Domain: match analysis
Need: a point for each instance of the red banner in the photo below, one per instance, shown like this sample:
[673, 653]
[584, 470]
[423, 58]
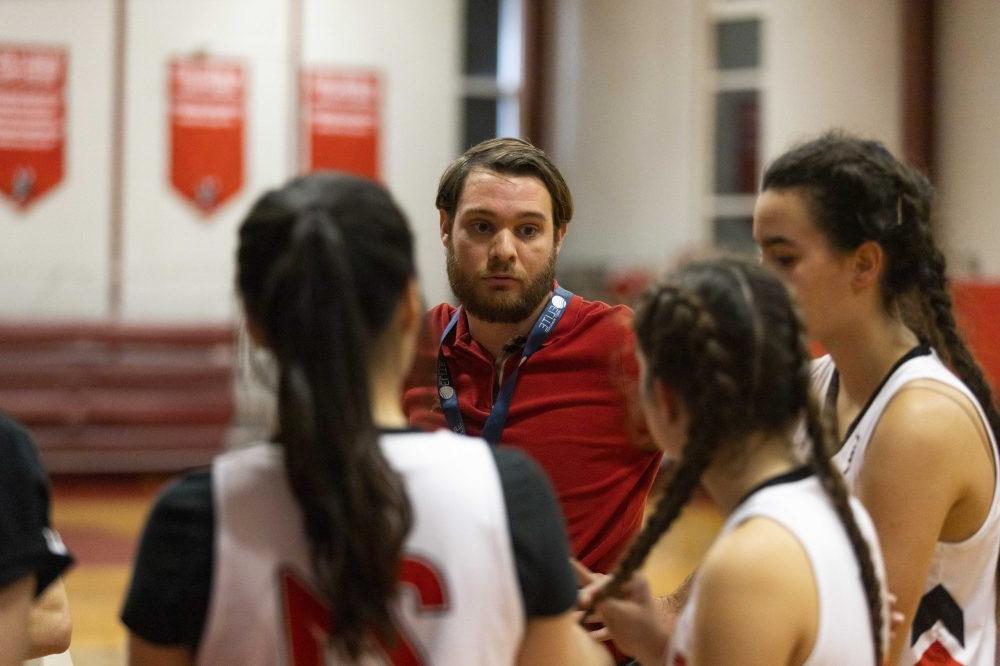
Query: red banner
[206, 130]
[32, 121]
[340, 114]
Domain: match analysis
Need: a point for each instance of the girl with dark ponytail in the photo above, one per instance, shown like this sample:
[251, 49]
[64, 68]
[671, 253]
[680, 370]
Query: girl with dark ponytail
[850, 229]
[795, 574]
[349, 538]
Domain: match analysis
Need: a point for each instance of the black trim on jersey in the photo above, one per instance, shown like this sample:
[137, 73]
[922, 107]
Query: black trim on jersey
[167, 600]
[791, 476]
[834, 388]
[938, 605]
[537, 534]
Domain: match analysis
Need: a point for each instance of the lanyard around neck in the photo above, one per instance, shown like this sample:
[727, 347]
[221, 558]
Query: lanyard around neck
[493, 427]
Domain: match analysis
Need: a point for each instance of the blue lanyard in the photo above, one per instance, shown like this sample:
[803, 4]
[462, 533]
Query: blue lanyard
[493, 427]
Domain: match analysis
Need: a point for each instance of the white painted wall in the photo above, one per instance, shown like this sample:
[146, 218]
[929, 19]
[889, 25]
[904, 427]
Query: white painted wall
[968, 133]
[632, 108]
[416, 48]
[628, 127]
[54, 256]
[832, 64]
[178, 265]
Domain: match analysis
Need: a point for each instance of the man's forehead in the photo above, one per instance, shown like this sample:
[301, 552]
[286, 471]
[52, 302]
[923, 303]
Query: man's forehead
[485, 188]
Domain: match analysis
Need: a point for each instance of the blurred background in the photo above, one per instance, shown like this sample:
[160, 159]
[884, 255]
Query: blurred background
[134, 134]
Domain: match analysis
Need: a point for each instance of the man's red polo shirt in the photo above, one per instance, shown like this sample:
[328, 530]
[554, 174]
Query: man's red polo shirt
[575, 410]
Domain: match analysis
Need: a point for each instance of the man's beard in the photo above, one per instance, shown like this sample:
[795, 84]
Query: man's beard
[499, 307]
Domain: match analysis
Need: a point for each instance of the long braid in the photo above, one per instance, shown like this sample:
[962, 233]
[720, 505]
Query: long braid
[672, 321]
[818, 431]
[942, 329]
[933, 279]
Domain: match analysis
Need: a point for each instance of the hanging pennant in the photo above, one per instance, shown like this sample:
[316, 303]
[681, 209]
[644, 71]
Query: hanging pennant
[32, 121]
[207, 97]
[340, 113]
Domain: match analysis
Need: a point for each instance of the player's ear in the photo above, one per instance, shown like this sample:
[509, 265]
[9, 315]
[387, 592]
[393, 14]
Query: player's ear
[667, 401]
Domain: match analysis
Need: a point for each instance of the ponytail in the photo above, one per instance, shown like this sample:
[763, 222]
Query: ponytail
[355, 511]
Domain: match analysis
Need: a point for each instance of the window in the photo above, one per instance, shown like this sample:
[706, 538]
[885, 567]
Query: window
[493, 70]
[736, 73]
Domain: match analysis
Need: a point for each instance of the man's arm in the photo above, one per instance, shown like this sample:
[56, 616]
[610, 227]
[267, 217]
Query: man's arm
[50, 626]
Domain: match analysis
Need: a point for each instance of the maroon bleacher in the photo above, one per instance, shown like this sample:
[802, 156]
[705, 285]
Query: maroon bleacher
[110, 397]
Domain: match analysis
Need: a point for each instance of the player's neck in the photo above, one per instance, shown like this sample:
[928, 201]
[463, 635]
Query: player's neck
[493, 336]
[386, 401]
[761, 458]
[865, 355]
[387, 412]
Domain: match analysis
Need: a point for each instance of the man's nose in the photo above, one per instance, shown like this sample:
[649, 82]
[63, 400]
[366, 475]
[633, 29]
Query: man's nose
[503, 247]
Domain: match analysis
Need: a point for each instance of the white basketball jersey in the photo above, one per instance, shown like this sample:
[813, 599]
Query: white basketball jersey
[955, 618]
[460, 600]
[844, 633]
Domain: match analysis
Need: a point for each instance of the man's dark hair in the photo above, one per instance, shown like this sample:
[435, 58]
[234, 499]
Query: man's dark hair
[512, 157]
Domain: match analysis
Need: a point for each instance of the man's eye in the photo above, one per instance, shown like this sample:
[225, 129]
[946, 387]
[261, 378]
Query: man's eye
[481, 227]
[529, 232]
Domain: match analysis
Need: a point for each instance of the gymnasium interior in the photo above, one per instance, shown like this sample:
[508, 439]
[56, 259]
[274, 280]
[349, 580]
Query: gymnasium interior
[122, 345]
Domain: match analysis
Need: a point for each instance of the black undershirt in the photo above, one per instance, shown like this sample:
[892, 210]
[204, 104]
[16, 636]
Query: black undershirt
[167, 602]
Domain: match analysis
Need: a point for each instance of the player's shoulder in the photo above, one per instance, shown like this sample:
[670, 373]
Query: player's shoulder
[759, 554]
[13, 436]
[17, 450]
[930, 417]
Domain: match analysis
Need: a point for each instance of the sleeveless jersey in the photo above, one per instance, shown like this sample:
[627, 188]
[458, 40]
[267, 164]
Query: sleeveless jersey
[843, 633]
[954, 622]
[459, 597]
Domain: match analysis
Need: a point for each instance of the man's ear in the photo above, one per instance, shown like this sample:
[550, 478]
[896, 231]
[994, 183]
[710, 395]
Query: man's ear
[868, 264]
[444, 225]
[560, 234]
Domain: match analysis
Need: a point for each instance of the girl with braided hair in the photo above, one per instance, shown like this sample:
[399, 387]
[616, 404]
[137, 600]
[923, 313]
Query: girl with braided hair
[795, 575]
[849, 228]
[349, 538]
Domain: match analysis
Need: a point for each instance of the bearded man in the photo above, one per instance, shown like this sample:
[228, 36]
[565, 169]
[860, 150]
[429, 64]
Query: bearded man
[523, 362]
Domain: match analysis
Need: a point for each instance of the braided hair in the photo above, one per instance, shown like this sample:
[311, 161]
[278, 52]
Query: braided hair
[859, 192]
[711, 332]
[321, 267]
